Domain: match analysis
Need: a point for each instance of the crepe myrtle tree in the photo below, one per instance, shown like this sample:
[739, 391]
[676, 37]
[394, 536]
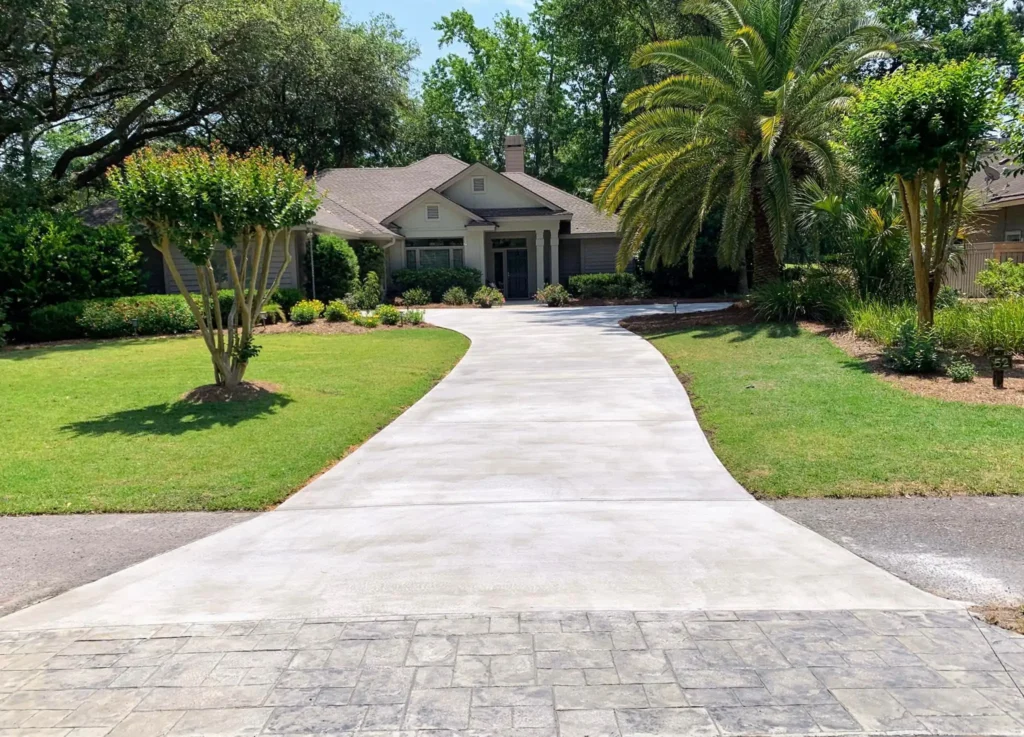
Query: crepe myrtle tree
[922, 128]
[203, 201]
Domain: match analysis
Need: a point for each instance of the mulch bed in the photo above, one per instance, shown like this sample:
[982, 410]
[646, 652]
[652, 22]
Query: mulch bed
[244, 392]
[937, 386]
[665, 322]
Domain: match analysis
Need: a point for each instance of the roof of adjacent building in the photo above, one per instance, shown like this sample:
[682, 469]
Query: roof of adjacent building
[370, 195]
[999, 181]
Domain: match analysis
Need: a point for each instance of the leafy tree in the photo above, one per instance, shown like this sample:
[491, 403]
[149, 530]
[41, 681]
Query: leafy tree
[201, 202]
[745, 117]
[924, 128]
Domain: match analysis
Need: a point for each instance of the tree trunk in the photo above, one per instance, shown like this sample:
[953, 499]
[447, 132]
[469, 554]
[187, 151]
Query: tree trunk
[766, 265]
[744, 281]
[606, 117]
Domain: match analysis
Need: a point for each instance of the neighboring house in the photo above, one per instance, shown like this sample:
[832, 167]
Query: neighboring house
[998, 228]
[519, 232]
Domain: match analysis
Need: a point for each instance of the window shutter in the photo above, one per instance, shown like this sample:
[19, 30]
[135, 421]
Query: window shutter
[433, 212]
[478, 184]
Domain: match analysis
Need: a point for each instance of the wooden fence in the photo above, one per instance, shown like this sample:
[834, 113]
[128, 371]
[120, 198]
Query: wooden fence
[963, 280]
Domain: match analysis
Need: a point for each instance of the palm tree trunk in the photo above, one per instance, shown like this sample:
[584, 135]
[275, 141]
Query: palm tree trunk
[766, 266]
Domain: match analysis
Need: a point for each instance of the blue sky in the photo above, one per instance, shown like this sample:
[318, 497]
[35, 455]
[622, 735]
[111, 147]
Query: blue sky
[416, 17]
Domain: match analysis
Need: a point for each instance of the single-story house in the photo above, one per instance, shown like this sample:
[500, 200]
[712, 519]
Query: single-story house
[518, 231]
[998, 227]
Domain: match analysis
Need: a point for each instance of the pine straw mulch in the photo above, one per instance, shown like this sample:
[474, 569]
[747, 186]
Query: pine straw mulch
[1007, 617]
[244, 392]
[937, 386]
[662, 322]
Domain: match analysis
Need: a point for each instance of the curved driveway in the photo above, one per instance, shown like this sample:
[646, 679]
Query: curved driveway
[558, 467]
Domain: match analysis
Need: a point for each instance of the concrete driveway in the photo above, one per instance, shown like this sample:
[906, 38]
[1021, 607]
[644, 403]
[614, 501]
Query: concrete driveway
[558, 467]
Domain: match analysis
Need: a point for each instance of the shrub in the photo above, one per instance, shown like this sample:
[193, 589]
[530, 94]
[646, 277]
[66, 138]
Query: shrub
[640, 290]
[880, 322]
[779, 301]
[947, 297]
[488, 297]
[817, 295]
[388, 315]
[286, 297]
[1002, 280]
[957, 327]
[367, 297]
[49, 258]
[336, 267]
[456, 297]
[273, 314]
[1001, 326]
[438, 281]
[155, 314]
[306, 311]
[961, 370]
[366, 321]
[412, 317]
[336, 311]
[602, 286]
[553, 295]
[914, 351]
[54, 322]
[370, 256]
[5, 328]
[418, 296]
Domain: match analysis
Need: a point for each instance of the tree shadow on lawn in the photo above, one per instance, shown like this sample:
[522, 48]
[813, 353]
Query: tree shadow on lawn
[178, 418]
[29, 351]
[735, 333]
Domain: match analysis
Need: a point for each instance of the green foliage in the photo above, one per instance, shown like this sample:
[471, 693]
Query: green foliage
[553, 295]
[1001, 326]
[814, 293]
[947, 297]
[880, 322]
[273, 313]
[336, 265]
[455, 297]
[915, 350]
[306, 311]
[420, 296]
[5, 327]
[337, 311]
[488, 297]
[367, 296]
[412, 317]
[619, 285]
[366, 321]
[923, 117]
[1002, 280]
[745, 117]
[961, 370]
[958, 326]
[779, 301]
[156, 314]
[46, 258]
[53, 322]
[388, 315]
[286, 297]
[371, 257]
[438, 281]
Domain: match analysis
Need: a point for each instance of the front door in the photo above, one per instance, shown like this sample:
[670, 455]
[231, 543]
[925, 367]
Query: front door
[517, 265]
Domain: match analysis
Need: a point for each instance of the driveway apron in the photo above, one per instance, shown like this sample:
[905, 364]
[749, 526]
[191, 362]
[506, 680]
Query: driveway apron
[558, 467]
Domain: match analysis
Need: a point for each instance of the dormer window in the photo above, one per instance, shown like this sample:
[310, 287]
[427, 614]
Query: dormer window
[433, 212]
[479, 185]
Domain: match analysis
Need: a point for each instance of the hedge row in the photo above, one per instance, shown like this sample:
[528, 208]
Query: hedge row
[151, 314]
[605, 286]
[438, 281]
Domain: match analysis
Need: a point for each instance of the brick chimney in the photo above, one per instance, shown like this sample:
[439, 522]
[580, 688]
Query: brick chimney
[515, 159]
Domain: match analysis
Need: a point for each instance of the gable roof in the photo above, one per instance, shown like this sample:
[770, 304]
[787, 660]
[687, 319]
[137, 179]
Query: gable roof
[432, 196]
[999, 181]
[367, 199]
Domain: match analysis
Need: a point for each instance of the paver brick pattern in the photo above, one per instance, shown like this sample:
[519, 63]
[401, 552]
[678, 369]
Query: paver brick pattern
[535, 674]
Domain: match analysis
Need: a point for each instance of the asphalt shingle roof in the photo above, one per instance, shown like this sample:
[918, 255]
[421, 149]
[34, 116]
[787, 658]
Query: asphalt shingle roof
[996, 182]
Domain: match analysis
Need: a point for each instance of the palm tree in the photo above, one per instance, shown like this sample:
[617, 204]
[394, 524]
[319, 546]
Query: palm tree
[745, 117]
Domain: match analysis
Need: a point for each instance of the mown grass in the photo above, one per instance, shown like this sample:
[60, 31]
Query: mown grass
[98, 427]
[792, 415]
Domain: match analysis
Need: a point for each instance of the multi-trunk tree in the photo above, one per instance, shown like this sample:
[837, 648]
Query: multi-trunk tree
[922, 128]
[212, 204]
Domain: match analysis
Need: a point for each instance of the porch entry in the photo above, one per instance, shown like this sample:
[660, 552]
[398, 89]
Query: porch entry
[511, 267]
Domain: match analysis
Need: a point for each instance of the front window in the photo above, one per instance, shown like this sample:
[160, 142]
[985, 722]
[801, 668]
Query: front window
[434, 253]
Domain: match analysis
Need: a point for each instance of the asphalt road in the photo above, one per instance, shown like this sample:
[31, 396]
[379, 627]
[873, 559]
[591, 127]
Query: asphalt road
[966, 548]
[42, 556]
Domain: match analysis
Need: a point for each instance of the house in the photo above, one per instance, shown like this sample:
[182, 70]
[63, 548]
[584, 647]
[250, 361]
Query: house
[998, 226]
[439, 212]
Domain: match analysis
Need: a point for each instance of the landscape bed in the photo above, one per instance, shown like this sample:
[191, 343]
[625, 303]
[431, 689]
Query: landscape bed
[101, 426]
[792, 415]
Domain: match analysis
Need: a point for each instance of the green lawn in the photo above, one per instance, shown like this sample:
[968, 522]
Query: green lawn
[790, 414]
[98, 427]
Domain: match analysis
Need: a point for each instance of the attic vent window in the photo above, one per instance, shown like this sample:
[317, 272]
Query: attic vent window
[479, 184]
[433, 212]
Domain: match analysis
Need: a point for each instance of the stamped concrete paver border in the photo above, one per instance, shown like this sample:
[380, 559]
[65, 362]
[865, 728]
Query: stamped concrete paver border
[531, 674]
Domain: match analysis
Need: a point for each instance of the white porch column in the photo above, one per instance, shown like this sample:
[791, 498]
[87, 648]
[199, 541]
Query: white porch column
[540, 259]
[554, 257]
